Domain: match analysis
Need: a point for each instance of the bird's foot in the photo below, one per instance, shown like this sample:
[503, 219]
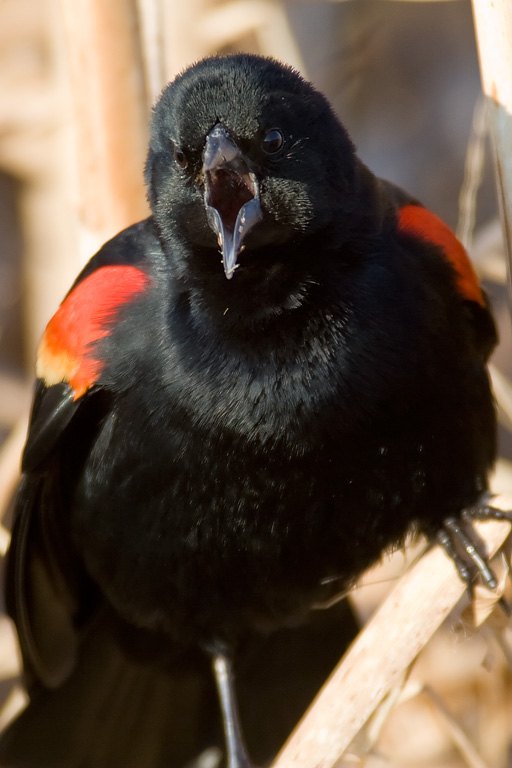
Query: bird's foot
[462, 545]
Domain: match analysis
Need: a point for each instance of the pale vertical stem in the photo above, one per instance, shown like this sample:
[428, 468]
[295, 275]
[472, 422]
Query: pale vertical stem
[153, 46]
[493, 24]
[111, 113]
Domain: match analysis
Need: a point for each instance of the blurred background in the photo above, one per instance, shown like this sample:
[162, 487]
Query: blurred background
[77, 80]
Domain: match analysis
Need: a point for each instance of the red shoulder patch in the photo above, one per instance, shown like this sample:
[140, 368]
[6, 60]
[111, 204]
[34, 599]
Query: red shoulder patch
[84, 317]
[422, 223]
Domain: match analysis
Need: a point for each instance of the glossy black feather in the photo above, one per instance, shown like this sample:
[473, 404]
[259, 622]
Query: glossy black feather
[252, 445]
[52, 410]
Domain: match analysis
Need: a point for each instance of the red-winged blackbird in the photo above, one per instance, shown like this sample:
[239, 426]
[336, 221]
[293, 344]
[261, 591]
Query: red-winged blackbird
[208, 458]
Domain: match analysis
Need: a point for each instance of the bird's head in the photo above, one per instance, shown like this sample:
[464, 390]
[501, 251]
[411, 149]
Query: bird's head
[245, 155]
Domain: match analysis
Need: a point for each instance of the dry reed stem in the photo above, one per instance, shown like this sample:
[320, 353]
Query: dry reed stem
[493, 26]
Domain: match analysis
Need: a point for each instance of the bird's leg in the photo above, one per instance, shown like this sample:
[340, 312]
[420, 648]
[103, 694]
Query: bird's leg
[461, 543]
[237, 756]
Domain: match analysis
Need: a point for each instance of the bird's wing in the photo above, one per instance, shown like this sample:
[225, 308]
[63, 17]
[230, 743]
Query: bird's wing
[417, 223]
[45, 582]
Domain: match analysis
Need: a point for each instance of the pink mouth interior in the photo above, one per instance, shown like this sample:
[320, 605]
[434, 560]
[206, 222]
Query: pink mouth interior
[228, 191]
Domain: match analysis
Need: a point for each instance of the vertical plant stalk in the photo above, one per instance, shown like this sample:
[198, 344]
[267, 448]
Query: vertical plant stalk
[110, 113]
[493, 25]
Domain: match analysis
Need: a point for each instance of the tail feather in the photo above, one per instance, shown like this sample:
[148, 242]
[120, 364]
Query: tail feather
[114, 712]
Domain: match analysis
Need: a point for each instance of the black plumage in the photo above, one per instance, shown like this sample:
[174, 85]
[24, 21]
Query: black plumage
[210, 457]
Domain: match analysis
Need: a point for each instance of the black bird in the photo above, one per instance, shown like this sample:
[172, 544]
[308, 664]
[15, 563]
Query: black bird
[208, 458]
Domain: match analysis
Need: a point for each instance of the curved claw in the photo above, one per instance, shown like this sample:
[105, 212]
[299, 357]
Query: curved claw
[461, 544]
[444, 539]
[453, 534]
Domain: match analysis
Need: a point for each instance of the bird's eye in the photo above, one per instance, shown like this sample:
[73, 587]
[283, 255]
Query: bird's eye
[273, 141]
[180, 157]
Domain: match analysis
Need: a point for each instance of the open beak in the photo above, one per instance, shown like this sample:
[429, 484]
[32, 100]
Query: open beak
[231, 195]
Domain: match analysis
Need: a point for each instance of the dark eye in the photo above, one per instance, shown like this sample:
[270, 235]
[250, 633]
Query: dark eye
[273, 141]
[180, 157]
